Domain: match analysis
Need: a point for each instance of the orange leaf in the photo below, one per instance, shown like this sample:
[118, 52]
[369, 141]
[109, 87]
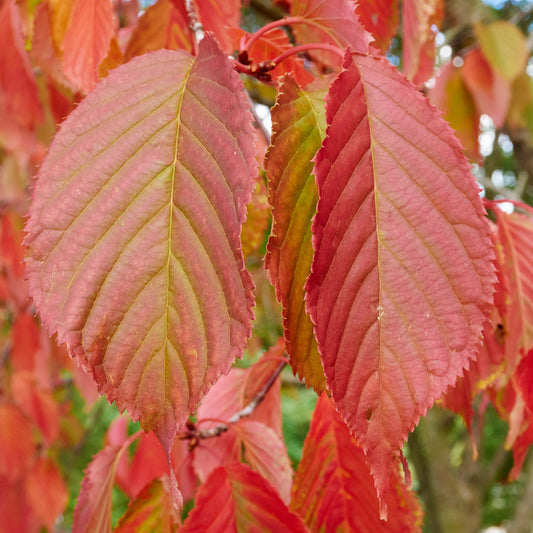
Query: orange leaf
[87, 41]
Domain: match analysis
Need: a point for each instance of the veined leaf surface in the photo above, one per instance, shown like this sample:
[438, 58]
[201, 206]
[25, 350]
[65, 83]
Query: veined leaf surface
[134, 252]
[237, 499]
[298, 130]
[333, 489]
[402, 278]
[515, 232]
[87, 40]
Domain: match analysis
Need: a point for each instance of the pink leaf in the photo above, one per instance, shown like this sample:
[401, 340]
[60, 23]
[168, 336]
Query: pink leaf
[402, 279]
[235, 498]
[133, 237]
[87, 40]
[266, 453]
[331, 21]
[93, 508]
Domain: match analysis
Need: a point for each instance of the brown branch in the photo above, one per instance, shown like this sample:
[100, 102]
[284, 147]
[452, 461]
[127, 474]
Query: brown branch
[194, 434]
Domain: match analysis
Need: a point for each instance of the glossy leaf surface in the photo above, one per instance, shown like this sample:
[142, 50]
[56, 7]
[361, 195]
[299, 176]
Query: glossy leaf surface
[401, 280]
[237, 499]
[298, 130]
[134, 253]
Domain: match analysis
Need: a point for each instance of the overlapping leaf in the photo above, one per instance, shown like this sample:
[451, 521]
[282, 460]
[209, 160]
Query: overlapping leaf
[515, 236]
[491, 92]
[217, 17]
[93, 508]
[235, 498]
[18, 91]
[47, 492]
[16, 443]
[332, 22]
[333, 488]
[270, 46]
[231, 394]
[451, 95]
[298, 130]
[504, 46]
[418, 37]
[380, 18]
[401, 280]
[151, 512]
[162, 25]
[134, 253]
[265, 452]
[86, 41]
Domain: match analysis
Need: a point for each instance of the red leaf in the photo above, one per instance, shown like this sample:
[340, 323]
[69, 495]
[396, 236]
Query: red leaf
[87, 40]
[380, 18]
[515, 236]
[162, 25]
[298, 130]
[491, 92]
[402, 279]
[93, 508]
[217, 17]
[270, 46]
[25, 342]
[38, 404]
[419, 18]
[18, 90]
[333, 489]
[148, 463]
[134, 252]
[266, 453]
[151, 511]
[237, 499]
[332, 21]
[524, 379]
[47, 492]
[15, 512]
[16, 443]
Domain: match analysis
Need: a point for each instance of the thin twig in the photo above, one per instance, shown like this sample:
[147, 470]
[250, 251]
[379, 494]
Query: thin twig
[194, 434]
